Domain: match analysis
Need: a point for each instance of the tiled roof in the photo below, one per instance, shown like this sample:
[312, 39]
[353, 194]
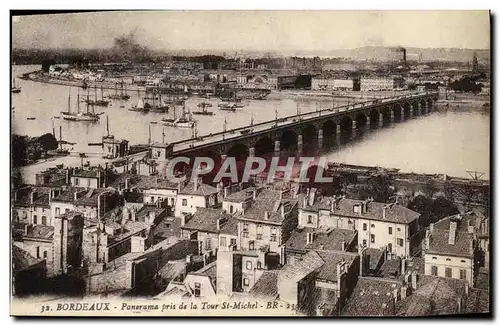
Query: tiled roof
[369, 297]
[295, 272]
[329, 270]
[24, 196]
[230, 227]
[375, 255]
[414, 305]
[91, 196]
[268, 200]
[391, 268]
[395, 213]
[142, 182]
[86, 173]
[478, 301]
[266, 286]
[443, 292]
[205, 219]
[68, 195]
[438, 244]
[240, 196]
[327, 240]
[43, 232]
[202, 190]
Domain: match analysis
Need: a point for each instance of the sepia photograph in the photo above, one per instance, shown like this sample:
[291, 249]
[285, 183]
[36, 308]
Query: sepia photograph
[236, 163]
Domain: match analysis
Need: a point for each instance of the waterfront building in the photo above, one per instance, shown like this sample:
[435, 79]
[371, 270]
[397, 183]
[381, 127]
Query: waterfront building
[320, 83]
[381, 83]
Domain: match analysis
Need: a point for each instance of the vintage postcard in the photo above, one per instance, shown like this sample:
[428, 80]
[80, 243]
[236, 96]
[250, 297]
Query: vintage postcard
[250, 163]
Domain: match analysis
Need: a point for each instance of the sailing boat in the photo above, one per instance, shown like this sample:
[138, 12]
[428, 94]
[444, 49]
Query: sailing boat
[80, 116]
[185, 121]
[15, 89]
[140, 104]
[97, 102]
[121, 95]
[158, 105]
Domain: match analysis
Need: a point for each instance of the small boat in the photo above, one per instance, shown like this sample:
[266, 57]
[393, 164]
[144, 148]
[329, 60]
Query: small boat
[122, 106]
[31, 118]
[139, 107]
[204, 110]
[230, 106]
[204, 105]
[178, 123]
[153, 122]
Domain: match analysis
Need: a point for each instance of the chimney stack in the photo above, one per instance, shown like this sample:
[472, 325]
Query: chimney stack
[26, 229]
[414, 280]
[404, 290]
[126, 183]
[467, 288]
[266, 215]
[282, 210]
[362, 257]
[427, 239]
[395, 294]
[254, 193]
[343, 245]
[403, 266]
[226, 191]
[133, 212]
[431, 227]
[33, 196]
[452, 233]
[384, 212]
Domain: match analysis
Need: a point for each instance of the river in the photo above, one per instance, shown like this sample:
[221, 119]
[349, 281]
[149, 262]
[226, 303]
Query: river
[450, 143]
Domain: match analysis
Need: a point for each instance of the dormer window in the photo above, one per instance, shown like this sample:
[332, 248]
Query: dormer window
[309, 219]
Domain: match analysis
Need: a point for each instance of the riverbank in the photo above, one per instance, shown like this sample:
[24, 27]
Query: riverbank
[36, 77]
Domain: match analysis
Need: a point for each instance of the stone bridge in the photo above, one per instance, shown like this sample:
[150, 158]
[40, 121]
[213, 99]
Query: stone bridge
[308, 129]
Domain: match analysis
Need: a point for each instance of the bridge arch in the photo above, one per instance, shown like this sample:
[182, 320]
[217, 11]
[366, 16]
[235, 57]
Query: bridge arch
[415, 108]
[374, 117]
[430, 105]
[361, 120]
[423, 106]
[288, 140]
[396, 111]
[386, 115]
[239, 151]
[329, 128]
[309, 134]
[264, 146]
[406, 110]
[345, 125]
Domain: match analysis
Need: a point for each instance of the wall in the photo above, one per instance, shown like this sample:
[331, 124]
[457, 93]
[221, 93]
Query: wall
[252, 236]
[63, 207]
[382, 236]
[227, 238]
[84, 182]
[192, 203]
[252, 273]
[151, 196]
[224, 273]
[237, 207]
[44, 246]
[206, 288]
[455, 263]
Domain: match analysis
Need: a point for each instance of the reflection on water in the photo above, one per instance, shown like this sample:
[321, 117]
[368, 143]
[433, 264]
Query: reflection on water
[448, 143]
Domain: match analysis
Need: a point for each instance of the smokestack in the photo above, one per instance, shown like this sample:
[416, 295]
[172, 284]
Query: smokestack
[452, 233]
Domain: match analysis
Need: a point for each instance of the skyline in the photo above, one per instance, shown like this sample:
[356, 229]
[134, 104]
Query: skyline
[268, 31]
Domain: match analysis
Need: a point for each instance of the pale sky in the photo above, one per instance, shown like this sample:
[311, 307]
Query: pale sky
[257, 30]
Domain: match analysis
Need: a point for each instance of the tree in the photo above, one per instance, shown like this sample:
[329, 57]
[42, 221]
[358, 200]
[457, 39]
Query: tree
[424, 206]
[442, 207]
[19, 147]
[48, 142]
[380, 188]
